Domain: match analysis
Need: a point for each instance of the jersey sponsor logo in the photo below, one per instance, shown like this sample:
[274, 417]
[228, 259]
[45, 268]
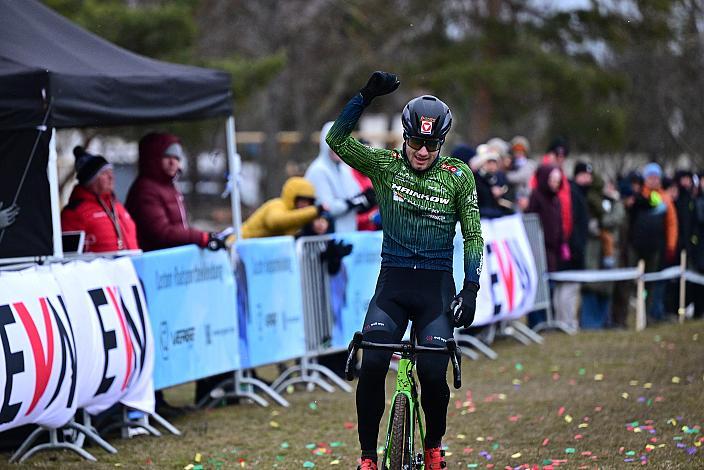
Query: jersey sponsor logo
[451, 168]
[426, 125]
[435, 217]
[426, 197]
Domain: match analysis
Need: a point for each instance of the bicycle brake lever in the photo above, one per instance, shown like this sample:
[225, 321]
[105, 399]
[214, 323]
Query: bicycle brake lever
[352, 353]
[455, 359]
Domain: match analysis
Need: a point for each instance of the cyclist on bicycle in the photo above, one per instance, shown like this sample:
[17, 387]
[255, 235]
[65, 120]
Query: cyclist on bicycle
[421, 196]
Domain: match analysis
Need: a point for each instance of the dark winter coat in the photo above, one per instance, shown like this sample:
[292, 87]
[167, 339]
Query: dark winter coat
[489, 207]
[546, 204]
[156, 204]
[686, 220]
[580, 227]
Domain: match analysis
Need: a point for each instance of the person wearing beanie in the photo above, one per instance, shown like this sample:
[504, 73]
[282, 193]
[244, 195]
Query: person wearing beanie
[93, 208]
[156, 203]
[653, 233]
[490, 183]
[520, 172]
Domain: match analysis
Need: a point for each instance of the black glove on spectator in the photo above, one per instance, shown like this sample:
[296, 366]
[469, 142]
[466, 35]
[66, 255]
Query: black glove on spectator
[215, 243]
[370, 194]
[463, 307]
[363, 201]
[333, 254]
[380, 83]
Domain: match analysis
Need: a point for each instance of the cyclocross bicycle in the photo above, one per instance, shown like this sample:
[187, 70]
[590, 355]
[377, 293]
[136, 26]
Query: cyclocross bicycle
[399, 450]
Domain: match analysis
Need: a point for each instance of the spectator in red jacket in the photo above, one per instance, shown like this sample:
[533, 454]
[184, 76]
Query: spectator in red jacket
[155, 202]
[94, 209]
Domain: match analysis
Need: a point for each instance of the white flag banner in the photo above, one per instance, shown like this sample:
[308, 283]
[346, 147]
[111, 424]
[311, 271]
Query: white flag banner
[106, 305]
[38, 381]
[509, 279]
[140, 392]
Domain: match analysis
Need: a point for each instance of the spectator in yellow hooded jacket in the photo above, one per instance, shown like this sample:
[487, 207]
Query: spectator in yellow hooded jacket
[288, 214]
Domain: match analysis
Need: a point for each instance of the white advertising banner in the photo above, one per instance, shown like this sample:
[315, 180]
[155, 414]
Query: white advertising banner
[509, 279]
[140, 390]
[38, 357]
[116, 348]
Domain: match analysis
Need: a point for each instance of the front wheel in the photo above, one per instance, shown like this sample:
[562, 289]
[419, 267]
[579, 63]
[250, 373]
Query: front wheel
[399, 457]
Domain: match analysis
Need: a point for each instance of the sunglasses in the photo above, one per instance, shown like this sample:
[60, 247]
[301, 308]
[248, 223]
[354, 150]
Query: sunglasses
[430, 144]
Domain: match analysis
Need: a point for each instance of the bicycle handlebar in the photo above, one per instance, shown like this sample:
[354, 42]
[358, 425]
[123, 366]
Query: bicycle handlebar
[450, 349]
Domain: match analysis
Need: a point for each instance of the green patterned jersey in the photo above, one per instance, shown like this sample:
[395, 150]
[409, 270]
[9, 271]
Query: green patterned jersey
[419, 210]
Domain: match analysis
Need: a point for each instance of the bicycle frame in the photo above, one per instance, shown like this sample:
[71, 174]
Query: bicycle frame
[406, 385]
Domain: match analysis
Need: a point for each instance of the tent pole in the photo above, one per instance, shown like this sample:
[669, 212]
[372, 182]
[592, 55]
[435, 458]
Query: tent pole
[53, 175]
[234, 164]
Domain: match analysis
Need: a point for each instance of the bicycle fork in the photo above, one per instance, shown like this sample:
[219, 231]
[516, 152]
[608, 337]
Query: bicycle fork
[406, 385]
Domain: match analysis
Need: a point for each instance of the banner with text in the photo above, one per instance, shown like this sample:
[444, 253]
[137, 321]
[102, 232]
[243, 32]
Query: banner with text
[270, 305]
[191, 295]
[353, 287]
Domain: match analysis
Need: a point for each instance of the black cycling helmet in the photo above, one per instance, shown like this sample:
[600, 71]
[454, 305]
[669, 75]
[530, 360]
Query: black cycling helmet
[426, 117]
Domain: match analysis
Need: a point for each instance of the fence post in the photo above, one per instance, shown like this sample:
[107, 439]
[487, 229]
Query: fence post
[683, 284]
[640, 298]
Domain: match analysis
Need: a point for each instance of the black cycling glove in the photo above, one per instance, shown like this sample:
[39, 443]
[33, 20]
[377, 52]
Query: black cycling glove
[380, 83]
[464, 305]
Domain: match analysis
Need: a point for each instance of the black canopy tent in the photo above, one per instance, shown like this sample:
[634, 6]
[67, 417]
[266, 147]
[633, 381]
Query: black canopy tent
[53, 74]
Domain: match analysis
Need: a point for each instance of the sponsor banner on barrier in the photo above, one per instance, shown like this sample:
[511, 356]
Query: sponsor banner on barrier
[270, 305]
[352, 288]
[191, 295]
[38, 353]
[115, 347]
[509, 280]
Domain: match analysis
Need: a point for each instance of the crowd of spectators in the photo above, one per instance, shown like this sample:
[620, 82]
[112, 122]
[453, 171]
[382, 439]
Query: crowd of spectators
[596, 221]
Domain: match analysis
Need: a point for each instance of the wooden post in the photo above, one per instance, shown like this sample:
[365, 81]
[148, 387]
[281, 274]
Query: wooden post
[640, 298]
[683, 284]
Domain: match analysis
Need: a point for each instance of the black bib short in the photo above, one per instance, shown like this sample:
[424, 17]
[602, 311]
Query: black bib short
[402, 294]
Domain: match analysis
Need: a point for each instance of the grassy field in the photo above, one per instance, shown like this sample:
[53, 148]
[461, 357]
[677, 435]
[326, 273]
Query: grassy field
[608, 399]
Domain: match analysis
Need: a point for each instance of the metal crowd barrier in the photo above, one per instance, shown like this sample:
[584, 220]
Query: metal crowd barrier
[534, 230]
[317, 320]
